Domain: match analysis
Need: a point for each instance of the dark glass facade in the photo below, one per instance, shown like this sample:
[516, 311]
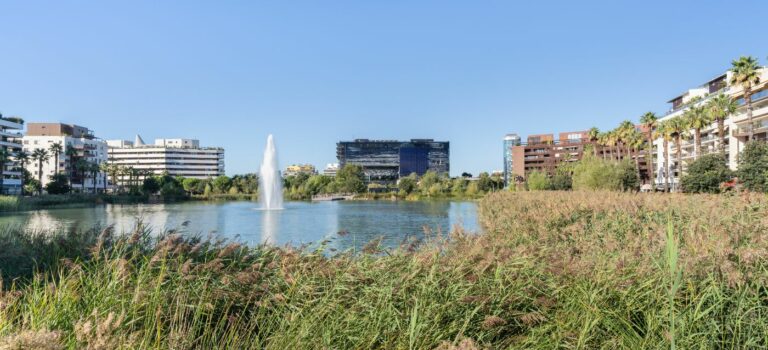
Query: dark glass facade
[384, 161]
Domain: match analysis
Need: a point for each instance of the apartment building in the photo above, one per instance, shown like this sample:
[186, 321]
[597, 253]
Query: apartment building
[177, 157]
[545, 153]
[737, 126]
[385, 161]
[296, 169]
[79, 146]
[510, 140]
[10, 142]
[331, 169]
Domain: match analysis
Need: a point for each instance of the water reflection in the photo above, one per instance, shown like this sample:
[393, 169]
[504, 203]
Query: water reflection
[348, 224]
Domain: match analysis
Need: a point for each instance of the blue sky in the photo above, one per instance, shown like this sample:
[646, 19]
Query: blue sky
[315, 72]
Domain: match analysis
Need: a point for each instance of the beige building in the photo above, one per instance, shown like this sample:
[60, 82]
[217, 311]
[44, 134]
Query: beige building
[177, 157]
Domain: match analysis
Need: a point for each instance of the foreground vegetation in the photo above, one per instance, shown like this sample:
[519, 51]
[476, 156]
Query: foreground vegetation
[558, 269]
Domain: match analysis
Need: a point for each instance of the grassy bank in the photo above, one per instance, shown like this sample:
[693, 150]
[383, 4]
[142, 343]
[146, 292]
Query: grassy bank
[554, 269]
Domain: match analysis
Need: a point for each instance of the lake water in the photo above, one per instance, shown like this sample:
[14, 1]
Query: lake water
[347, 223]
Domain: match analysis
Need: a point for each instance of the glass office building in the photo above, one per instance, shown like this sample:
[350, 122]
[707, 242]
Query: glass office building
[385, 161]
[510, 141]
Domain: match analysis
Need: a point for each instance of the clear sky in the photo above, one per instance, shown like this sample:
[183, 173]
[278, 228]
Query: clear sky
[316, 72]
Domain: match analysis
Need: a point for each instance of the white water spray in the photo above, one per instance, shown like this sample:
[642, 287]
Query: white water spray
[270, 183]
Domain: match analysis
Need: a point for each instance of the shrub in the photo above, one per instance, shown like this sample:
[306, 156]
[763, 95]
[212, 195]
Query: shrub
[57, 185]
[706, 174]
[753, 167]
[593, 173]
[538, 181]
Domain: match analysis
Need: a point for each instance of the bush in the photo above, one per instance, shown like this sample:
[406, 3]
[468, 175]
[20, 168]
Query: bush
[538, 181]
[706, 174]
[562, 180]
[57, 185]
[592, 173]
[753, 167]
[150, 186]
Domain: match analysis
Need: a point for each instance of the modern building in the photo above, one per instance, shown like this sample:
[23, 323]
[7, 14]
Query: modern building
[385, 161]
[10, 142]
[177, 157]
[331, 169]
[78, 146]
[737, 126]
[510, 140]
[545, 153]
[296, 169]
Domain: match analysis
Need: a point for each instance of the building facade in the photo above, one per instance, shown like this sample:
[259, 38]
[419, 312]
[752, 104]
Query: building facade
[11, 143]
[737, 126]
[331, 169]
[385, 161]
[510, 140]
[79, 147]
[296, 169]
[545, 153]
[177, 157]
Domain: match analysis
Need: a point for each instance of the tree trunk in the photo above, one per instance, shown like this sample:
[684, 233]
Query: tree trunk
[649, 159]
[666, 165]
[40, 177]
[697, 146]
[748, 102]
[679, 154]
[22, 178]
[721, 134]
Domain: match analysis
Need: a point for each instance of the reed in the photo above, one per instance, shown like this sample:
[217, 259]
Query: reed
[551, 270]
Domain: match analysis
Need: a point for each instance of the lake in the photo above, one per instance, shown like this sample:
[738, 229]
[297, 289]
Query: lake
[347, 224]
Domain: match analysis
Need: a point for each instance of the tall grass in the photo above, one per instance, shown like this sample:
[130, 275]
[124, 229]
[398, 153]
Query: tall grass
[551, 270]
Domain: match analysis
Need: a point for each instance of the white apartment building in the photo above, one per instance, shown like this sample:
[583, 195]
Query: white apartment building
[177, 157]
[331, 169]
[736, 126]
[78, 143]
[10, 141]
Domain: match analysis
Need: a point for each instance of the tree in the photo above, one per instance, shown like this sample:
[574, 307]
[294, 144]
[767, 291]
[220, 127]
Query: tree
[745, 74]
[649, 120]
[72, 154]
[350, 179]
[57, 184]
[93, 169]
[55, 149]
[719, 108]
[594, 135]
[562, 180]
[193, 186]
[4, 155]
[221, 184]
[678, 127]
[538, 181]
[22, 157]
[406, 185]
[697, 118]
[706, 174]
[40, 155]
[150, 186]
[105, 168]
[664, 132]
[753, 166]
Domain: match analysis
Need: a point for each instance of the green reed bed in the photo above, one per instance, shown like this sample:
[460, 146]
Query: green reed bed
[552, 270]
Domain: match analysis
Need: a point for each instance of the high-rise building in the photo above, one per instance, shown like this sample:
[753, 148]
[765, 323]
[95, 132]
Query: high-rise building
[385, 161]
[79, 148]
[177, 157]
[510, 140]
[10, 142]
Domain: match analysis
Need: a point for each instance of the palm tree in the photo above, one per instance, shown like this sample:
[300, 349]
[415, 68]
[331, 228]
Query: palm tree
[663, 131]
[4, 155]
[82, 167]
[649, 120]
[625, 130]
[746, 75]
[678, 126]
[22, 157]
[719, 108]
[94, 168]
[72, 155]
[40, 155]
[106, 169]
[55, 149]
[635, 142]
[593, 134]
[697, 118]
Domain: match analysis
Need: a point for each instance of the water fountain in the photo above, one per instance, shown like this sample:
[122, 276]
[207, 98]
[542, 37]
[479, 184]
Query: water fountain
[270, 183]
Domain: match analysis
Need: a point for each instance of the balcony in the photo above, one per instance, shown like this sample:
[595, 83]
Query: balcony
[743, 131]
